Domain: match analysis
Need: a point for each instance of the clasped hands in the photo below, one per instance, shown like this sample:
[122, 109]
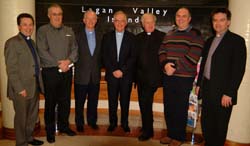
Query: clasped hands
[117, 74]
[64, 65]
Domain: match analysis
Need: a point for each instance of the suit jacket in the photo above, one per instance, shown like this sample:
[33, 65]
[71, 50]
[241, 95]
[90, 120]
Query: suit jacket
[148, 71]
[227, 67]
[127, 55]
[87, 67]
[20, 67]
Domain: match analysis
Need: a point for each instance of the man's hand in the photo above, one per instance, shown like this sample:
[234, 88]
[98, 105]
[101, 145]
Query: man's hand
[117, 74]
[64, 65]
[23, 93]
[169, 68]
[226, 101]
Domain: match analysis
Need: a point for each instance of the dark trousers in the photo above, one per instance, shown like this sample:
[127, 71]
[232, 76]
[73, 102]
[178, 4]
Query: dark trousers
[81, 93]
[57, 92]
[214, 118]
[146, 96]
[176, 100]
[119, 88]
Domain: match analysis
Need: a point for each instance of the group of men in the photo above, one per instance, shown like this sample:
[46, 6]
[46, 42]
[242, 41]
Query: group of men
[150, 59]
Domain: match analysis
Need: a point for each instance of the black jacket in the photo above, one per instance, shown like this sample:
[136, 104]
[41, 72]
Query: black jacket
[227, 67]
[148, 71]
[126, 57]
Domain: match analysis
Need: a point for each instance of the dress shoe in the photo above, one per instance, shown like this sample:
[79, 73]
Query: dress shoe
[79, 128]
[111, 128]
[94, 126]
[126, 128]
[144, 137]
[68, 131]
[175, 143]
[51, 138]
[35, 142]
[166, 140]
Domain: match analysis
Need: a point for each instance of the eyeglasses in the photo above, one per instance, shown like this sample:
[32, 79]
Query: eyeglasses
[119, 21]
[57, 14]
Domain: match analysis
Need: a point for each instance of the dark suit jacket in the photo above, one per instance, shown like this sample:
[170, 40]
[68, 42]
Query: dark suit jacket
[20, 67]
[148, 71]
[227, 66]
[87, 67]
[126, 57]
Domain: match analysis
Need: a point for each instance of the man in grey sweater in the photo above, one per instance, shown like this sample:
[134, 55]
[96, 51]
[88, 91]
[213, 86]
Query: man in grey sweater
[57, 49]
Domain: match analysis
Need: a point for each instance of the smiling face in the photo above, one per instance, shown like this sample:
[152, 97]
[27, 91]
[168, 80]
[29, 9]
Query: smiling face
[220, 22]
[120, 22]
[55, 15]
[182, 18]
[90, 20]
[26, 26]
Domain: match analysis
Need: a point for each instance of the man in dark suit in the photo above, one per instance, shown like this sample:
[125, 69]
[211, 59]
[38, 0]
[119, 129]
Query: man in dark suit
[119, 59]
[24, 80]
[222, 69]
[148, 71]
[87, 71]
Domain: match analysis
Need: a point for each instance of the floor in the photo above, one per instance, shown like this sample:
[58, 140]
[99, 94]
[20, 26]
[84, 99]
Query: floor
[117, 138]
[93, 141]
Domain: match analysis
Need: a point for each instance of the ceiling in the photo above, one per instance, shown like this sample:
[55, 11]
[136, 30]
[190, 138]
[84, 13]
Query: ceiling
[163, 3]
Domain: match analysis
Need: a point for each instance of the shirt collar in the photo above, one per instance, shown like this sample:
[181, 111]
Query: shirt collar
[185, 30]
[59, 28]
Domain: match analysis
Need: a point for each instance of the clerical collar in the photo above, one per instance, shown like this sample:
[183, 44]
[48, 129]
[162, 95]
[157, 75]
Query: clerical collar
[25, 37]
[148, 33]
[89, 31]
[119, 33]
[220, 34]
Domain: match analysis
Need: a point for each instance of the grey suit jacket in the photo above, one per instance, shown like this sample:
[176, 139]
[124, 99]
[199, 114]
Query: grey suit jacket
[20, 67]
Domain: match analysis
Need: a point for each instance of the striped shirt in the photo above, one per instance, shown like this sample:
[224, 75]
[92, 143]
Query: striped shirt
[183, 48]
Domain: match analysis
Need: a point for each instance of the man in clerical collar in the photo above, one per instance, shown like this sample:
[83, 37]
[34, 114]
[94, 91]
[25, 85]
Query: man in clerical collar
[119, 60]
[221, 71]
[148, 71]
[87, 71]
[24, 80]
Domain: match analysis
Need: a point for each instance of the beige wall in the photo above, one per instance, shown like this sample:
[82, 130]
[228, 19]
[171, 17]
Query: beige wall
[239, 126]
[9, 10]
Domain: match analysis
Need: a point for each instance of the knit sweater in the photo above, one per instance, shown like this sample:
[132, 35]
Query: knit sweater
[183, 48]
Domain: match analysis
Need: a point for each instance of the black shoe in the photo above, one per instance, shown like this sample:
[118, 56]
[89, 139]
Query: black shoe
[51, 138]
[144, 137]
[94, 126]
[68, 131]
[79, 128]
[35, 142]
[111, 128]
[126, 128]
